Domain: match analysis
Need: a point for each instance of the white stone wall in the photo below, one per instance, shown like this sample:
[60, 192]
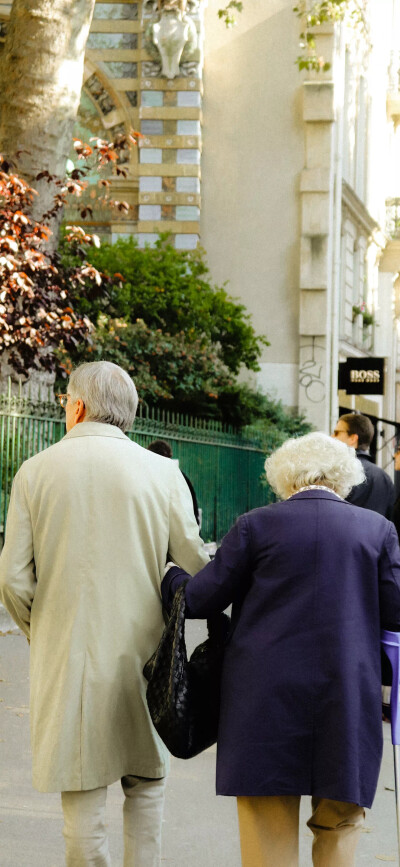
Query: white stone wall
[295, 173]
[253, 153]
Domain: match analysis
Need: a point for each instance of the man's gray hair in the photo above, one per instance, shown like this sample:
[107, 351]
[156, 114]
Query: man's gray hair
[107, 391]
[315, 458]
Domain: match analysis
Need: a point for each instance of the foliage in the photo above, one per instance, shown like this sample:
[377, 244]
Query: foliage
[170, 290]
[34, 301]
[181, 338]
[314, 13]
[268, 418]
[167, 369]
[173, 374]
[36, 311]
[361, 309]
[101, 156]
[228, 13]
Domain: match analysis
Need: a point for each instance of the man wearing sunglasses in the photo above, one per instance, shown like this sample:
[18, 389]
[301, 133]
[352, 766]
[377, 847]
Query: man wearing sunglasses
[90, 524]
[377, 492]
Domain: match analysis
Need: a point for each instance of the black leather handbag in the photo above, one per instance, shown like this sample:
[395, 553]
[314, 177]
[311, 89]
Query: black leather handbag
[183, 695]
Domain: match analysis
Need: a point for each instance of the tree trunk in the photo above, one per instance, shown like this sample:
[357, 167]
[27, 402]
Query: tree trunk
[40, 81]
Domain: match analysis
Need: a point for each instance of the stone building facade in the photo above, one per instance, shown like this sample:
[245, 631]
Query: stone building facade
[143, 72]
[300, 178]
[290, 181]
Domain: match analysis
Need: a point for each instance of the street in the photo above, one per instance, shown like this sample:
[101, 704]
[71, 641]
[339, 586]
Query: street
[200, 830]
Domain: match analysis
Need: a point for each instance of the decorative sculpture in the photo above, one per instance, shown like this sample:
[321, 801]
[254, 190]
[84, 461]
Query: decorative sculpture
[171, 36]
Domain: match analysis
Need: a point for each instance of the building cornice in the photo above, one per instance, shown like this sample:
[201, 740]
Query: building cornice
[360, 214]
[350, 350]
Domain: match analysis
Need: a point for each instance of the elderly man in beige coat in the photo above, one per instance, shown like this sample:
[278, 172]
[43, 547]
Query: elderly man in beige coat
[90, 524]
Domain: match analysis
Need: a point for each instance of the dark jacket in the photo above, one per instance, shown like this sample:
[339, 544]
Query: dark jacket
[396, 516]
[377, 492]
[312, 580]
[194, 498]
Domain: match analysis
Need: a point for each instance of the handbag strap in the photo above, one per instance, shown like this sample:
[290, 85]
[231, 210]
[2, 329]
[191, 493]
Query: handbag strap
[218, 625]
[178, 603]
[174, 630]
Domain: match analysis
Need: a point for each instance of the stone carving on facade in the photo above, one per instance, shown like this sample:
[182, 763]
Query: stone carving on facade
[98, 92]
[151, 69]
[171, 37]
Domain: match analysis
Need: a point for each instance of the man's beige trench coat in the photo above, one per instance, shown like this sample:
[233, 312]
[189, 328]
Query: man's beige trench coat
[90, 524]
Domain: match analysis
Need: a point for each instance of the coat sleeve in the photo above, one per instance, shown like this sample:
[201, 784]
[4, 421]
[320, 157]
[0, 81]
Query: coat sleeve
[17, 568]
[391, 500]
[221, 582]
[389, 581]
[396, 516]
[185, 546]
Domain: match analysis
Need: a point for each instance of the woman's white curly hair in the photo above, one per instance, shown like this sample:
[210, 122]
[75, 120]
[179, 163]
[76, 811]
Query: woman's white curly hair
[313, 459]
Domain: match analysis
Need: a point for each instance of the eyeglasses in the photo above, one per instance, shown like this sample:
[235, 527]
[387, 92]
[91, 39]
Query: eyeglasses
[63, 398]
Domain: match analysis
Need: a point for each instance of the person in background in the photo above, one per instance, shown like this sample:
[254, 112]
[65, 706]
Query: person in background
[377, 491]
[386, 667]
[160, 447]
[90, 522]
[396, 509]
[301, 682]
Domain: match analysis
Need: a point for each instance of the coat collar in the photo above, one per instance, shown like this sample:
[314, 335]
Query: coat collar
[319, 495]
[95, 429]
[364, 456]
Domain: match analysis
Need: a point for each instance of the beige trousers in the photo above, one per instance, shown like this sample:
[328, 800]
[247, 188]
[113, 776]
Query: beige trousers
[85, 830]
[269, 831]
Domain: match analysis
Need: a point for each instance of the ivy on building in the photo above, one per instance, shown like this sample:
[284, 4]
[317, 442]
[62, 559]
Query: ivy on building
[313, 14]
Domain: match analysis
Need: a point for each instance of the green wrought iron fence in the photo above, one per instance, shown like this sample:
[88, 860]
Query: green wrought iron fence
[224, 467]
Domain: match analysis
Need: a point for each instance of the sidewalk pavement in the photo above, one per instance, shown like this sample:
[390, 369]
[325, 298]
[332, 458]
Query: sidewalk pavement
[199, 830]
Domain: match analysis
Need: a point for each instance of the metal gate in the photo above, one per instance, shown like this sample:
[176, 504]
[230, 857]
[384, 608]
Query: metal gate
[225, 468]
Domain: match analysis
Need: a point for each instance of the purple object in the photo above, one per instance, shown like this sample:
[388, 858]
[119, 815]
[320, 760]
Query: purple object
[391, 644]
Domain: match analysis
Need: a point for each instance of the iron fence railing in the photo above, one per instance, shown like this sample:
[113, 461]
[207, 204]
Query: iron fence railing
[224, 467]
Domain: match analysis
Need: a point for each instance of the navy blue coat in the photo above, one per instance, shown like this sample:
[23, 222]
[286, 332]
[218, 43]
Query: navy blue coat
[312, 580]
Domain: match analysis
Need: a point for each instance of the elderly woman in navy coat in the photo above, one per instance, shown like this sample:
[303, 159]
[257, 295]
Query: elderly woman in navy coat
[311, 580]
